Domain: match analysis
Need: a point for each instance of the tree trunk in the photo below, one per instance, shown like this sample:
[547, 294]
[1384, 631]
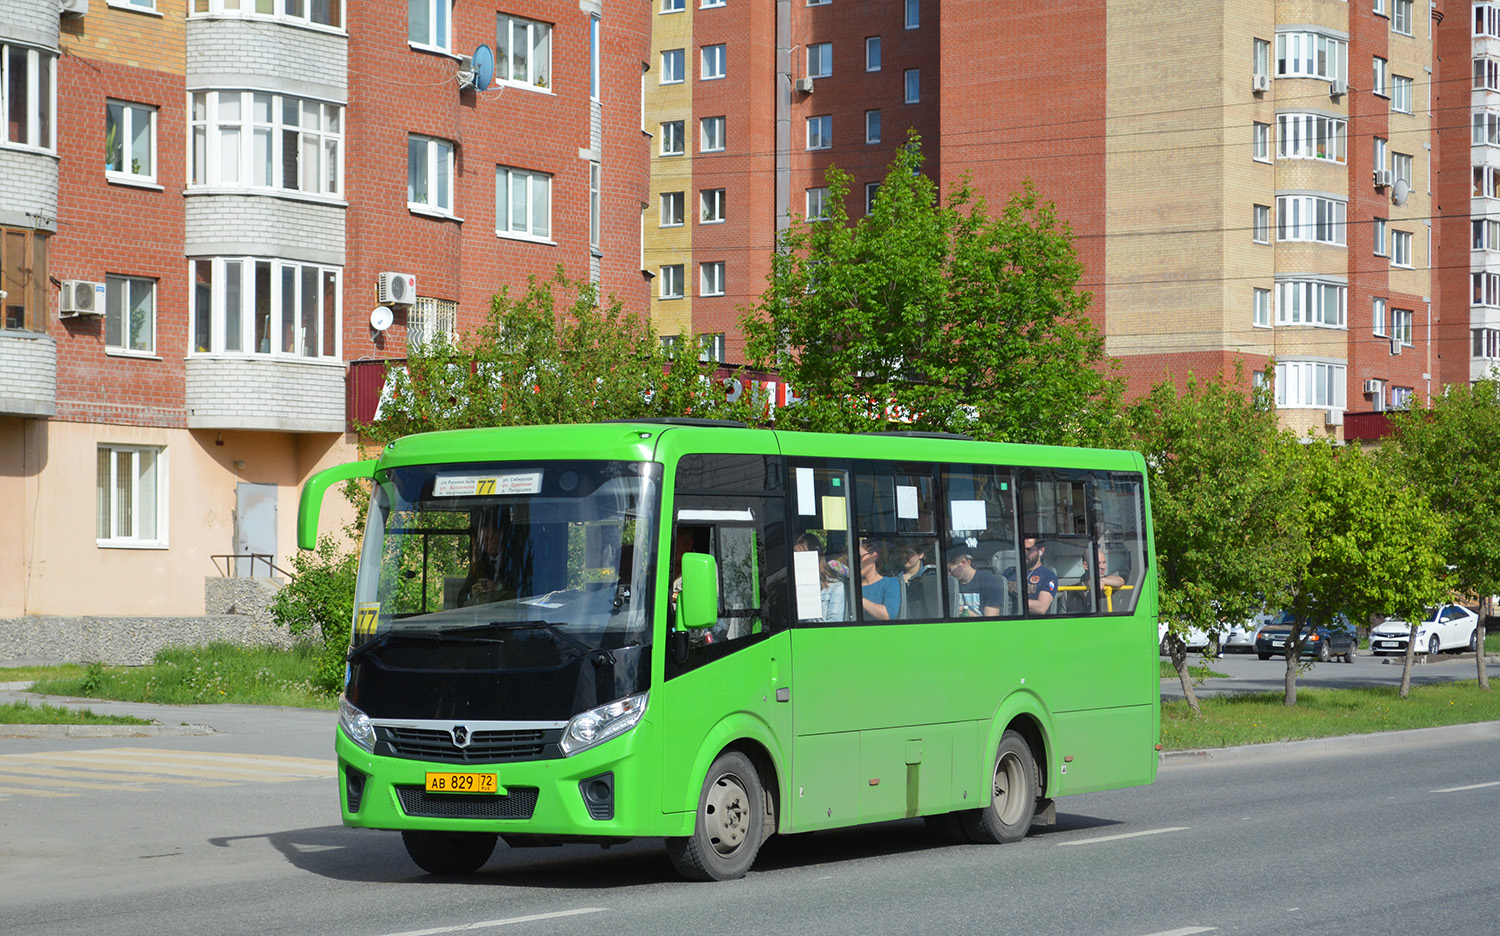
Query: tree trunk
[1411, 653]
[1484, 676]
[1177, 653]
[1293, 650]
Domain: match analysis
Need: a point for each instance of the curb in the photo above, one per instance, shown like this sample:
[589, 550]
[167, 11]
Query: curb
[104, 731]
[1342, 743]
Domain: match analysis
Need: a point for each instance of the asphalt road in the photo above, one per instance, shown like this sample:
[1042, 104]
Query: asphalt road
[1246, 673]
[1380, 834]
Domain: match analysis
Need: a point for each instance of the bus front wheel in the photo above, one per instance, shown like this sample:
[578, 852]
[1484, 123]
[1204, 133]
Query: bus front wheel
[1013, 794]
[728, 827]
[449, 852]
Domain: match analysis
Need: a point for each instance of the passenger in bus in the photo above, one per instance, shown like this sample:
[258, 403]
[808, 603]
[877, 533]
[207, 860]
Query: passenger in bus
[1041, 581]
[881, 592]
[832, 588]
[1101, 569]
[923, 598]
[487, 580]
[980, 593]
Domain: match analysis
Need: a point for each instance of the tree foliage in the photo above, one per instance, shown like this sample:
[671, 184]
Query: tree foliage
[936, 316]
[318, 606]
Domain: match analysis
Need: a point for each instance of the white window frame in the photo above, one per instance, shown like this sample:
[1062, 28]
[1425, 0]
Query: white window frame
[1382, 150]
[139, 6]
[430, 318]
[1380, 77]
[1486, 74]
[121, 294]
[1378, 228]
[712, 206]
[1486, 128]
[1402, 397]
[872, 53]
[673, 69]
[1311, 385]
[671, 209]
[913, 15]
[130, 114]
[258, 323]
[1311, 55]
[817, 203]
[1381, 7]
[872, 191]
[673, 6]
[1260, 142]
[671, 281]
[146, 490]
[1315, 303]
[1487, 20]
[820, 132]
[1312, 218]
[1379, 307]
[40, 107]
[1311, 136]
[1401, 17]
[1485, 343]
[708, 4]
[595, 203]
[436, 32]
[711, 348]
[711, 278]
[912, 86]
[1260, 58]
[437, 178]
[1403, 168]
[1401, 94]
[1402, 326]
[819, 59]
[288, 11]
[1486, 182]
[1484, 234]
[711, 133]
[1485, 289]
[1260, 224]
[672, 132]
[1260, 310]
[872, 126]
[594, 53]
[536, 214]
[1401, 249]
[715, 58]
[533, 71]
[248, 130]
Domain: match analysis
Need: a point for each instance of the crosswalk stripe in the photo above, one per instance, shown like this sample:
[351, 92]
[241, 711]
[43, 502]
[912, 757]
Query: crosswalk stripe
[6, 792]
[90, 774]
[143, 769]
[69, 784]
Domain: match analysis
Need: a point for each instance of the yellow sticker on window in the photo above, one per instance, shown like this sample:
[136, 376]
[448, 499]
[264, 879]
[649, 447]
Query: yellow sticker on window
[833, 513]
[366, 617]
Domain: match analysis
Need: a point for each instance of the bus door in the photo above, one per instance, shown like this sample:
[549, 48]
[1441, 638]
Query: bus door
[735, 676]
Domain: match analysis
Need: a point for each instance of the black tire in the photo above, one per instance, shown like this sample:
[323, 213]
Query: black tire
[1351, 653]
[1013, 793]
[449, 852]
[1474, 640]
[1325, 652]
[1434, 646]
[728, 829]
[1264, 656]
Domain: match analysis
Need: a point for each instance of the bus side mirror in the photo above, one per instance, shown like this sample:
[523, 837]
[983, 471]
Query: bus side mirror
[698, 604]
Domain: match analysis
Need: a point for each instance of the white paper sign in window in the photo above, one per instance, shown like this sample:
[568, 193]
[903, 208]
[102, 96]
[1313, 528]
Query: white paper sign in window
[529, 482]
[968, 515]
[809, 586]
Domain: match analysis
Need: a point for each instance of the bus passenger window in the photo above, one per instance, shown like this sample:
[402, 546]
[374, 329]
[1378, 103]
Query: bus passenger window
[980, 507]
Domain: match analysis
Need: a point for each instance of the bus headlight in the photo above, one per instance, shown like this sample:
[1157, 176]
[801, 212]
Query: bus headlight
[598, 725]
[356, 725]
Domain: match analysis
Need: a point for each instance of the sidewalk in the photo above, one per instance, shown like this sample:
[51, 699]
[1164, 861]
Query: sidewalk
[168, 720]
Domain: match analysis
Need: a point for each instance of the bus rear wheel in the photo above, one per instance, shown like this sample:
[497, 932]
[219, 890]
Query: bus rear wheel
[728, 827]
[1013, 793]
[449, 852]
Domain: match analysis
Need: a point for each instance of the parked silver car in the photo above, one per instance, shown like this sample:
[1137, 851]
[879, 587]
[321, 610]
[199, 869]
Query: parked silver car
[1240, 637]
[1448, 627]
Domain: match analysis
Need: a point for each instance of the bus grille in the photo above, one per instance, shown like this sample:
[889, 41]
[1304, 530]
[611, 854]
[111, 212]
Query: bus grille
[520, 803]
[485, 747]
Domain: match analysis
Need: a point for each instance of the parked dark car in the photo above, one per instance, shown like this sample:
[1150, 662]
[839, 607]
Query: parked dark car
[1322, 641]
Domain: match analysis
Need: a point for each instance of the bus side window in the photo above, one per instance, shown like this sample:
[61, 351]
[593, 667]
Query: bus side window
[1122, 538]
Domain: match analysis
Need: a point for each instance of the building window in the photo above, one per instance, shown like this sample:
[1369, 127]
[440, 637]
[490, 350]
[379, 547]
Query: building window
[1487, 343]
[1311, 303]
[1400, 94]
[1262, 299]
[671, 209]
[1382, 7]
[1401, 17]
[1401, 248]
[1486, 234]
[523, 204]
[1310, 136]
[1486, 181]
[671, 281]
[523, 52]
[1487, 20]
[133, 4]
[671, 66]
[254, 139]
[711, 135]
[430, 319]
[872, 190]
[24, 279]
[1311, 55]
[711, 280]
[1486, 289]
[1380, 78]
[713, 62]
[710, 3]
[819, 59]
[1382, 147]
[1260, 229]
[673, 6]
[1401, 168]
[1402, 397]
[913, 85]
[671, 138]
[711, 206]
[1377, 315]
[130, 142]
[872, 53]
[872, 126]
[1486, 74]
[257, 305]
[130, 502]
[595, 208]
[1260, 145]
[913, 15]
[429, 175]
[594, 58]
[817, 203]
[130, 314]
[1260, 58]
[329, 13]
[711, 348]
[1310, 218]
[820, 132]
[1486, 128]
[28, 97]
[1401, 320]
[818, 2]
[429, 24]
[1377, 233]
[1310, 384]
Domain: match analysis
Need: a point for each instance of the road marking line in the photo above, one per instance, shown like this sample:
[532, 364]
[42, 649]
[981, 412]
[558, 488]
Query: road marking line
[72, 773]
[7, 791]
[169, 762]
[1126, 835]
[1472, 786]
[1186, 931]
[506, 922]
[26, 781]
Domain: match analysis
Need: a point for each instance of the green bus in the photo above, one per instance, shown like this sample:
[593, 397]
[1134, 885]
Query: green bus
[711, 634]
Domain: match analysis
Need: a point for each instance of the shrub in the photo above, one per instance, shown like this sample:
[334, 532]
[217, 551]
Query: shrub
[318, 606]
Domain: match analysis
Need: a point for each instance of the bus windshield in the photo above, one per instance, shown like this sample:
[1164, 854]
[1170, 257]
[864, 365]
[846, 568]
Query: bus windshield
[468, 552]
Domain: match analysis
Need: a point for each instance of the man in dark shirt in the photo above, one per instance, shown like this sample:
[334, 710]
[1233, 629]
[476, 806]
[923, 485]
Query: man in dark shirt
[1041, 581]
[979, 592]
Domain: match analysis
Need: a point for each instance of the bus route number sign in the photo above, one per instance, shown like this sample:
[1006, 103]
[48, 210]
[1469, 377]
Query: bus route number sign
[442, 782]
[452, 485]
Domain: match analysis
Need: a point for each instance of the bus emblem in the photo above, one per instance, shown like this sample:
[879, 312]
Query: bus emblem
[460, 736]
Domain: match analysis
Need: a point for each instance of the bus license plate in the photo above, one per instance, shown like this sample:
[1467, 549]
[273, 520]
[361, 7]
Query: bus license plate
[462, 783]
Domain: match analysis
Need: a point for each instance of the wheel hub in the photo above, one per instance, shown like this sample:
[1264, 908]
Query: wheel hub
[726, 814]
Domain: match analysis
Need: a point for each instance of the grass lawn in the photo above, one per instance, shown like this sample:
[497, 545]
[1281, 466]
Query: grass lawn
[25, 713]
[1197, 671]
[198, 675]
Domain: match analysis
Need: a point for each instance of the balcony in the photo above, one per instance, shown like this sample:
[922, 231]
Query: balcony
[28, 374]
[276, 394]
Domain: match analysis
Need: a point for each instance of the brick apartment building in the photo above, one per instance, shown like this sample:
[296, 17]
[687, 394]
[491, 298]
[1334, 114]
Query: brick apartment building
[1247, 180]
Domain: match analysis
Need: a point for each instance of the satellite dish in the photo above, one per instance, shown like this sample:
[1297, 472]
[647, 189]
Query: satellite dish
[483, 67]
[381, 318]
[1400, 192]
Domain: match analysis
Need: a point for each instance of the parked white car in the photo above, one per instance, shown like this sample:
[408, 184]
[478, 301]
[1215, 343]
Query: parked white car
[1240, 637]
[1449, 627]
[1196, 639]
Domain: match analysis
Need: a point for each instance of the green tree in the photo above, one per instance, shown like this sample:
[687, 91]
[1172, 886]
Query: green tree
[318, 605]
[935, 316]
[1451, 452]
[1225, 506]
[1375, 547]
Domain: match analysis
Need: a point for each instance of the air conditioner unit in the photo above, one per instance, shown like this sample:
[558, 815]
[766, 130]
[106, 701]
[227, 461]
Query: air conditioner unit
[74, 7]
[1260, 82]
[1372, 387]
[1383, 178]
[1333, 417]
[805, 85]
[1395, 345]
[81, 297]
[1338, 88]
[397, 289]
